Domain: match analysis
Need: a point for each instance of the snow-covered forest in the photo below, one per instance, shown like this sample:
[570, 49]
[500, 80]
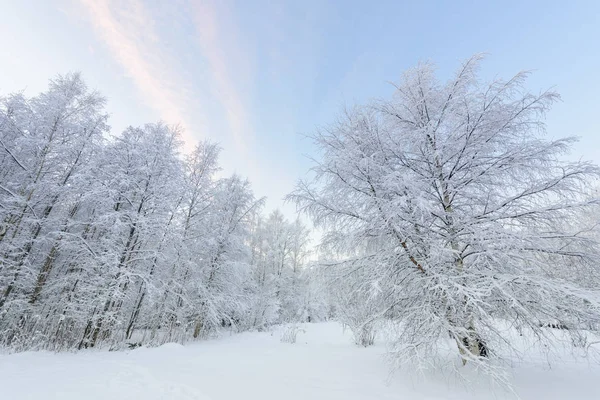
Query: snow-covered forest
[451, 224]
[114, 240]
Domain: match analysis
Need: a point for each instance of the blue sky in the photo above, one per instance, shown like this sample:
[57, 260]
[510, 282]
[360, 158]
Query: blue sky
[256, 75]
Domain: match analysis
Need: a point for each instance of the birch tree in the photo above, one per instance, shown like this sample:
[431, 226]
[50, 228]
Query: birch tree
[446, 198]
[47, 144]
[222, 287]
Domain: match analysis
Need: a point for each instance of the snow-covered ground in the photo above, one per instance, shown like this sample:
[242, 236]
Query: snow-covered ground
[323, 364]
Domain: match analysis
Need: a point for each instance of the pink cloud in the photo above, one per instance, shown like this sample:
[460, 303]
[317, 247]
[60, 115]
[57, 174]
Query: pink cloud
[220, 45]
[126, 28]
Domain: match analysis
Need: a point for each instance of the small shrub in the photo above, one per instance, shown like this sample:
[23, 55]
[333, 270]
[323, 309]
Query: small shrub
[364, 335]
[134, 345]
[290, 333]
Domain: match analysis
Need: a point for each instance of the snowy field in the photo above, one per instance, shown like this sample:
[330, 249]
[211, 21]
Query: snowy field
[323, 364]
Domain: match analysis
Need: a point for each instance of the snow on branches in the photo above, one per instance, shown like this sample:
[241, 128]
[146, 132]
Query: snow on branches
[448, 198]
[121, 241]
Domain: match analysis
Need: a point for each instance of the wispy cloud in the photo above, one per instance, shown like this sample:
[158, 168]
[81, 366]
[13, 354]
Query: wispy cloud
[192, 65]
[127, 29]
[220, 45]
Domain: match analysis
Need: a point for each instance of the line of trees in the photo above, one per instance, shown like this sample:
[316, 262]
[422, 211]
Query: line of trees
[108, 240]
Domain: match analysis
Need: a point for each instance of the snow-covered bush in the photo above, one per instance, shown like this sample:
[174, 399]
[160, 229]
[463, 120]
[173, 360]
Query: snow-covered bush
[360, 315]
[290, 333]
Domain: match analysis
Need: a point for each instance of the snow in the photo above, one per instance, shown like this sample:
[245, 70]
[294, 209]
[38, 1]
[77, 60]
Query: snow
[322, 364]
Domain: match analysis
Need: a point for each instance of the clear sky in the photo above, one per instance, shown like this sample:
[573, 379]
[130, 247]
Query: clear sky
[255, 75]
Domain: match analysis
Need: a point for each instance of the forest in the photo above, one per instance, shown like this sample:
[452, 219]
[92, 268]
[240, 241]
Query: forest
[446, 213]
[123, 240]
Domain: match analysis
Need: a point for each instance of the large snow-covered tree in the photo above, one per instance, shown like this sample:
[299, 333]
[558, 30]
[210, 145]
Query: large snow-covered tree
[48, 143]
[445, 202]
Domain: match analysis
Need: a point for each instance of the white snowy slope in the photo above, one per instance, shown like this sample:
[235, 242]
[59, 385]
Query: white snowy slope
[323, 364]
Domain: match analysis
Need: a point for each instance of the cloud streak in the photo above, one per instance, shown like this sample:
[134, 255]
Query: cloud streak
[221, 49]
[127, 30]
[183, 55]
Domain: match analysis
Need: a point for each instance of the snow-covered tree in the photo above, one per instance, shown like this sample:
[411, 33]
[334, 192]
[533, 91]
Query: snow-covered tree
[191, 234]
[142, 181]
[222, 289]
[280, 251]
[447, 198]
[48, 143]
